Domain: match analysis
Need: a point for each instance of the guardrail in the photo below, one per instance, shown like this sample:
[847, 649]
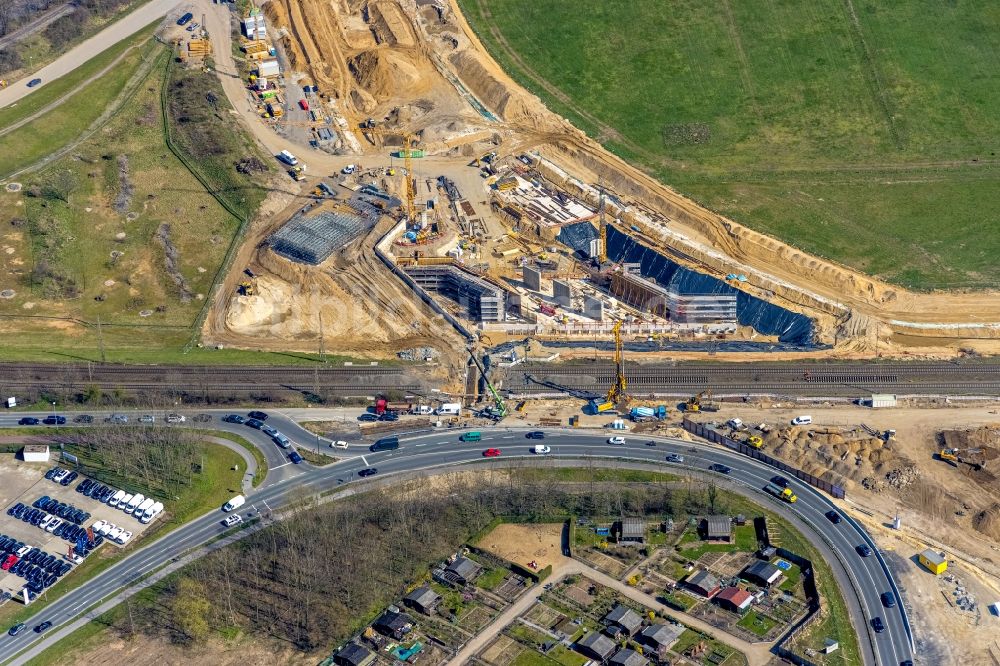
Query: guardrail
[713, 435]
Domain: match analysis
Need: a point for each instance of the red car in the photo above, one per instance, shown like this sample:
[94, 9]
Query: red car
[9, 562]
[491, 453]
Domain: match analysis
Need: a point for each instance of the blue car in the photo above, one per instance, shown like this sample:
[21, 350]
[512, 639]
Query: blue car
[34, 82]
[295, 457]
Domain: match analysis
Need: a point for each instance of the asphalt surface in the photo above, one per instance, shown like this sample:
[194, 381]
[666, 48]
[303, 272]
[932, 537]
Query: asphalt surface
[861, 579]
[87, 49]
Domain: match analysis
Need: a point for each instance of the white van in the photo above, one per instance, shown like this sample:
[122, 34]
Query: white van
[134, 502]
[425, 410]
[804, 419]
[116, 498]
[123, 502]
[541, 449]
[151, 513]
[234, 503]
[288, 158]
[141, 509]
[449, 409]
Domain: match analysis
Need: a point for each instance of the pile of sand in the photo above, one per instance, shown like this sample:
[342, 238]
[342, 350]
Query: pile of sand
[985, 437]
[988, 522]
[386, 74]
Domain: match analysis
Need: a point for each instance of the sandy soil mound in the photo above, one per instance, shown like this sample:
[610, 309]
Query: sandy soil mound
[985, 437]
[988, 522]
[386, 74]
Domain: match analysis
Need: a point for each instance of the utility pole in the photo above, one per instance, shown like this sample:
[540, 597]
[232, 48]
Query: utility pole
[322, 346]
[100, 339]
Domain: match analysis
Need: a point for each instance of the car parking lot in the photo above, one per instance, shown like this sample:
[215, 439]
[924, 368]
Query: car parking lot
[68, 515]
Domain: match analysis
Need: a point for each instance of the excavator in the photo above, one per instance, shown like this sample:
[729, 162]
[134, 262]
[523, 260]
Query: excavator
[693, 403]
[971, 457]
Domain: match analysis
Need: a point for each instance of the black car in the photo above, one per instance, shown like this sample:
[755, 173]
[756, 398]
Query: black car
[12, 510]
[38, 503]
[233, 418]
[28, 420]
[368, 471]
[84, 486]
[878, 625]
[31, 84]
[833, 517]
[367, 418]
[864, 550]
[254, 423]
[16, 629]
[42, 627]
[54, 420]
[59, 530]
[389, 416]
[535, 434]
[70, 478]
[84, 418]
[260, 416]
[720, 468]
[295, 457]
[51, 473]
[64, 568]
[779, 481]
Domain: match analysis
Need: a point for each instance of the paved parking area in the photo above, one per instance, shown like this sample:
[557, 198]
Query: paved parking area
[25, 483]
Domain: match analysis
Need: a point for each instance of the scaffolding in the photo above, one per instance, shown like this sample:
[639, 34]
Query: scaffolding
[312, 235]
[482, 300]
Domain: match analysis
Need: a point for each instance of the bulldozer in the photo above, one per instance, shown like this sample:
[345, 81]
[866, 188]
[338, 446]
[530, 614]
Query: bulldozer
[246, 288]
[971, 457]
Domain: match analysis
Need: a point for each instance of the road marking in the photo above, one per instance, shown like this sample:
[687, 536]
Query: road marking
[280, 466]
[508, 437]
[419, 445]
[365, 461]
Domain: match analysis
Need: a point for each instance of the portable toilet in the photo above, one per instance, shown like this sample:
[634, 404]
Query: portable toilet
[935, 562]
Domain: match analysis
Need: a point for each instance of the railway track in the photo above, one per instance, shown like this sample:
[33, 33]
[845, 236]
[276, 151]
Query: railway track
[806, 379]
[341, 379]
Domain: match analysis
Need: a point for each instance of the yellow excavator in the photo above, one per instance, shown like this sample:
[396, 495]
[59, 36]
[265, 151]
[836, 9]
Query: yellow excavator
[694, 402]
[971, 457]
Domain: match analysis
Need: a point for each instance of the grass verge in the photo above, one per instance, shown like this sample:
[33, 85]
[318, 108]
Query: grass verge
[258, 455]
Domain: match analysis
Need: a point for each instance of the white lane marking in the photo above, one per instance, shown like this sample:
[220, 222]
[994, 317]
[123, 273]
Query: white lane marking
[365, 461]
[419, 445]
[280, 466]
[508, 437]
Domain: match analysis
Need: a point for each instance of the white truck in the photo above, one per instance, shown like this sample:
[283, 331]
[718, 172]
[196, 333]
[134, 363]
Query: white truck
[449, 409]
[288, 158]
[234, 503]
[152, 512]
[141, 509]
[136, 500]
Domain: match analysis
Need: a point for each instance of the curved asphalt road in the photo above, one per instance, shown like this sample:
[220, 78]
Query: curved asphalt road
[861, 579]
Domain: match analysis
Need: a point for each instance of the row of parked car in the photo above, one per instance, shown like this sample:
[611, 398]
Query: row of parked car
[69, 532]
[39, 568]
[142, 508]
[256, 421]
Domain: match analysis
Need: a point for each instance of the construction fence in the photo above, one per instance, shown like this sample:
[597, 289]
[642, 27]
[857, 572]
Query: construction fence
[712, 435]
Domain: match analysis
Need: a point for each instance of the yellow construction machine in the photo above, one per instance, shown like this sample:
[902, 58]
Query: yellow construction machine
[693, 403]
[617, 394]
[971, 457]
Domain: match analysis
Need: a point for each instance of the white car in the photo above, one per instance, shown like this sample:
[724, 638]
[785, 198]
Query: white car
[124, 537]
[616, 440]
[114, 534]
[44, 522]
[98, 526]
[339, 444]
[104, 531]
[175, 418]
[53, 525]
[349, 169]
[541, 449]
[60, 475]
[234, 519]
[804, 419]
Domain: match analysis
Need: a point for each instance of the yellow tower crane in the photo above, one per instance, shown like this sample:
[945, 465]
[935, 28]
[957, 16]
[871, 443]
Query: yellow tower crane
[407, 152]
[617, 394]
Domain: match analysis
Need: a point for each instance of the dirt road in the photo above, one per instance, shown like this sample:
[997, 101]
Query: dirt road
[90, 48]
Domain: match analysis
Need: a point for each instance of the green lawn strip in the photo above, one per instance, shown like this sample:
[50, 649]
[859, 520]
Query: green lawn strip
[210, 490]
[567, 657]
[257, 454]
[51, 131]
[527, 635]
[491, 579]
[756, 623]
[745, 538]
[680, 600]
[531, 658]
[313, 458]
[697, 551]
[75, 82]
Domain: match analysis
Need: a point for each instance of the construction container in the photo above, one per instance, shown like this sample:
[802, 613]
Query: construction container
[268, 68]
[935, 562]
[882, 400]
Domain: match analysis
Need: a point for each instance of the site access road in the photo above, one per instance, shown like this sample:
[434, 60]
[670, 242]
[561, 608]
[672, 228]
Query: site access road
[861, 579]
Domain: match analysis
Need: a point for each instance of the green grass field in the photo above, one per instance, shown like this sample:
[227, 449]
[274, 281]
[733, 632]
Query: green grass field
[860, 130]
[139, 253]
